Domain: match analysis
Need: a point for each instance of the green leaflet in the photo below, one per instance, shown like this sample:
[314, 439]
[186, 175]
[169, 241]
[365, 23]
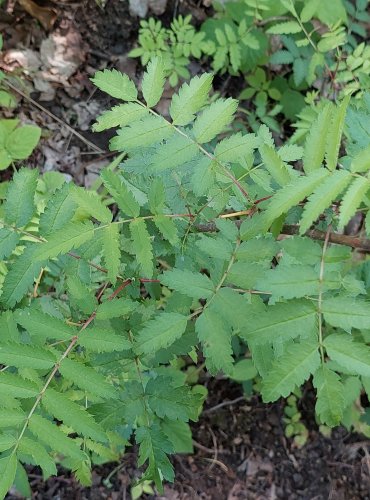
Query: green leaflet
[20, 209]
[9, 401]
[352, 392]
[83, 473]
[292, 281]
[101, 450]
[175, 403]
[63, 240]
[72, 414]
[352, 199]
[26, 356]
[236, 147]
[309, 10]
[214, 119]
[346, 313]
[144, 132]
[353, 356]
[8, 469]
[8, 241]
[120, 115]
[87, 378]
[335, 133]
[20, 277]
[243, 370]
[360, 161]
[193, 285]
[190, 99]
[156, 196]
[141, 240]
[258, 250]
[160, 332]
[43, 326]
[59, 210]
[293, 193]
[11, 418]
[22, 141]
[15, 386]
[90, 202]
[315, 145]
[51, 435]
[290, 152]
[216, 248]
[6, 441]
[39, 454]
[179, 433]
[102, 340]
[153, 82]
[330, 396]
[262, 357]
[258, 224]
[246, 274]
[115, 84]
[154, 447]
[233, 307]
[290, 370]
[120, 193]
[275, 165]
[80, 295]
[285, 28]
[115, 308]
[203, 177]
[21, 481]
[323, 196]
[167, 227]
[215, 336]
[8, 327]
[174, 153]
[302, 250]
[282, 321]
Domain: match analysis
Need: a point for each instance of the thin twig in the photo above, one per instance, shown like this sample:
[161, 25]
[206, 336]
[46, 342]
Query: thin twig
[224, 403]
[54, 117]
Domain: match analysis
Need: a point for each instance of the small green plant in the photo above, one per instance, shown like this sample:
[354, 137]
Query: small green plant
[196, 246]
[174, 45]
[16, 142]
[353, 71]
[261, 89]
[294, 427]
[7, 99]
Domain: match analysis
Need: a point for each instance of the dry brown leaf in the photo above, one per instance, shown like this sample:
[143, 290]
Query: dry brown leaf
[45, 15]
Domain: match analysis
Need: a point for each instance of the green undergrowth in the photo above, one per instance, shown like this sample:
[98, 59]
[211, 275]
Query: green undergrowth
[203, 248]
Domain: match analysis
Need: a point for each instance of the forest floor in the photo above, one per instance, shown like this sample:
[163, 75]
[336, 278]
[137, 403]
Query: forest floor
[241, 451]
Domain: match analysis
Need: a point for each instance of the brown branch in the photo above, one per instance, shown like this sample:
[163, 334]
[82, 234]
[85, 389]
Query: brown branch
[361, 244]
